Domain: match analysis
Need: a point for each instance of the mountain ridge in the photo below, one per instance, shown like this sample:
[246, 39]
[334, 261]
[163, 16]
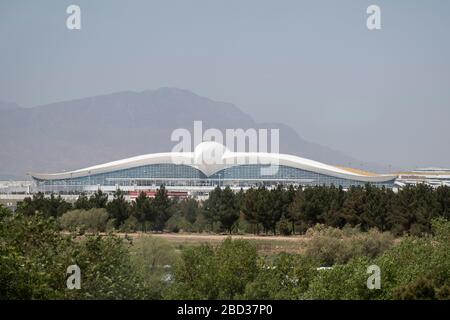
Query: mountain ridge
[73, 134]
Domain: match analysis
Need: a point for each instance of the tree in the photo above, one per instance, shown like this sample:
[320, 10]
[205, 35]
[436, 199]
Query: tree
[99, 199]
[378, 207]
[210, 273]
[314, 206]
[49, 207]
[189, 209]
[161, 205]
[212, 206]
[142, 210]
[353, 207]
[82, 202]
[250, 208]
[34, 257]
[56, 206]
[30, 206]
[118, 208]
[295, 209]
[228, 209]
[443, 201]
[275, 207]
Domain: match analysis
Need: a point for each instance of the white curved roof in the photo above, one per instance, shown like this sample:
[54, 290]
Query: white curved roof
[211, 157]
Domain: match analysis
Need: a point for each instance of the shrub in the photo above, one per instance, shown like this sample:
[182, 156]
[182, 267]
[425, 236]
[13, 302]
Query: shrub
[416, 268]
[287, 277]
[342, 282]
[154, 258]
[408, 268]
[34, 256]
[330, 246]
[110, 225]
[93, 220]
[420, 289]
[214, 273]
[284, 227]
[177, 223]
[131, 224]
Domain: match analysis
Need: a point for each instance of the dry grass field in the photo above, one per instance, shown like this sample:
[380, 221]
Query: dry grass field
[266, 245]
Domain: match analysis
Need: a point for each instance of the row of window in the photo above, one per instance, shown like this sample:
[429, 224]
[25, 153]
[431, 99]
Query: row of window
[172, 174]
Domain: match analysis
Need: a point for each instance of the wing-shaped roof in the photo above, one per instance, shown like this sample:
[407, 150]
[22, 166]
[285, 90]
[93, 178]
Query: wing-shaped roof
[211, 157]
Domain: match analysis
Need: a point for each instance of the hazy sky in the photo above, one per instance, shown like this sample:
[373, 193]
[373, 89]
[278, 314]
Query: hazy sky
[380, 96]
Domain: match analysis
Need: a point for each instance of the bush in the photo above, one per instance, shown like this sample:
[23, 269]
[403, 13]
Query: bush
[284, 227]
[417, 268]
[131, 224]
[111, 225]
[416, 264]
[342, 282]
[330, 246]
[34, 257]
[154, 258]
[214, 273]
[421, 289]
[93, 220]
[108, 271]
[287, 277]
[178, 223]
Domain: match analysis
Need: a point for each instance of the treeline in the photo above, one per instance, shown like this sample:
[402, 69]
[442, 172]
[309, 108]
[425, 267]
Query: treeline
[145, 214]
[294, 210]
[415, 268]
[262, 210]
[34, 257]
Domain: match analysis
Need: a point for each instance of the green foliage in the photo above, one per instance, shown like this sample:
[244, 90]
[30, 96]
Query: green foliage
[118, 209]
[162, 207]
[131, 224]
[34, 257]
[142, 211]
[426, 258]
[178, 223]
[222, 206]
[214, 273]
[82, 202]
[189, 209]
[287, 277]
[98, 200]
[417, 268]
[329, 246]
[228, 209]
[93, 220]
[422, 289]
[411, 210]
[342, 282]
[108, 271]
[48, 206]
[284, 227]
[154, 259]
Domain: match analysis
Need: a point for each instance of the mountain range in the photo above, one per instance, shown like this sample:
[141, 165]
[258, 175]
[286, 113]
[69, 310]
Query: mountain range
[74, 134]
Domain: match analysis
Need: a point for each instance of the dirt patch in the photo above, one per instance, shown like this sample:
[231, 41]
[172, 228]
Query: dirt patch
[266, 245]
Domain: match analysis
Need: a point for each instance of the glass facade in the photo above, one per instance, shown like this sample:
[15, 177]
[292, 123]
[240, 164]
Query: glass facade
[184, 175]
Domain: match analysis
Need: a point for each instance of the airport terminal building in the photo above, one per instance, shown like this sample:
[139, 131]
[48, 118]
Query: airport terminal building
[210, 165]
